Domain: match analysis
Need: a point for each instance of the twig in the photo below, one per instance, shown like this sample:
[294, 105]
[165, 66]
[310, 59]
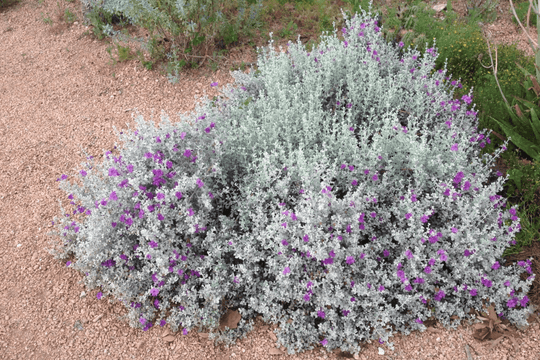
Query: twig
[496, 63]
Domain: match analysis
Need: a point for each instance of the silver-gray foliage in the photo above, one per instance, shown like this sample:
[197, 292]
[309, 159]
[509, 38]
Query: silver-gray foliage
[308, 196]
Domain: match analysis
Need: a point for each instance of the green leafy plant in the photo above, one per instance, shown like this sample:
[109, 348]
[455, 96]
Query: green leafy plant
[69, 17]
[148, 65]
[47, 20]
[288, 31]
[229, 34]
[124, 53]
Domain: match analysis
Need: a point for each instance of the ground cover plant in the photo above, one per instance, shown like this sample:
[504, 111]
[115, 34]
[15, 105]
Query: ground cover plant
[326, 194]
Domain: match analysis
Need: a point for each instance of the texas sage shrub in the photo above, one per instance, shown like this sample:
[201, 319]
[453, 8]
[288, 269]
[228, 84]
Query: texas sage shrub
[348, 197]
[163, 190]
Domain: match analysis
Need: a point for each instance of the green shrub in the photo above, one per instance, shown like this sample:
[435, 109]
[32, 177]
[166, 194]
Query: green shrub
[460, 43]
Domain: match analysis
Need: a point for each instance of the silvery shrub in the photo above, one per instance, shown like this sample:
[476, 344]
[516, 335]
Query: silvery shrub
[334, 193]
